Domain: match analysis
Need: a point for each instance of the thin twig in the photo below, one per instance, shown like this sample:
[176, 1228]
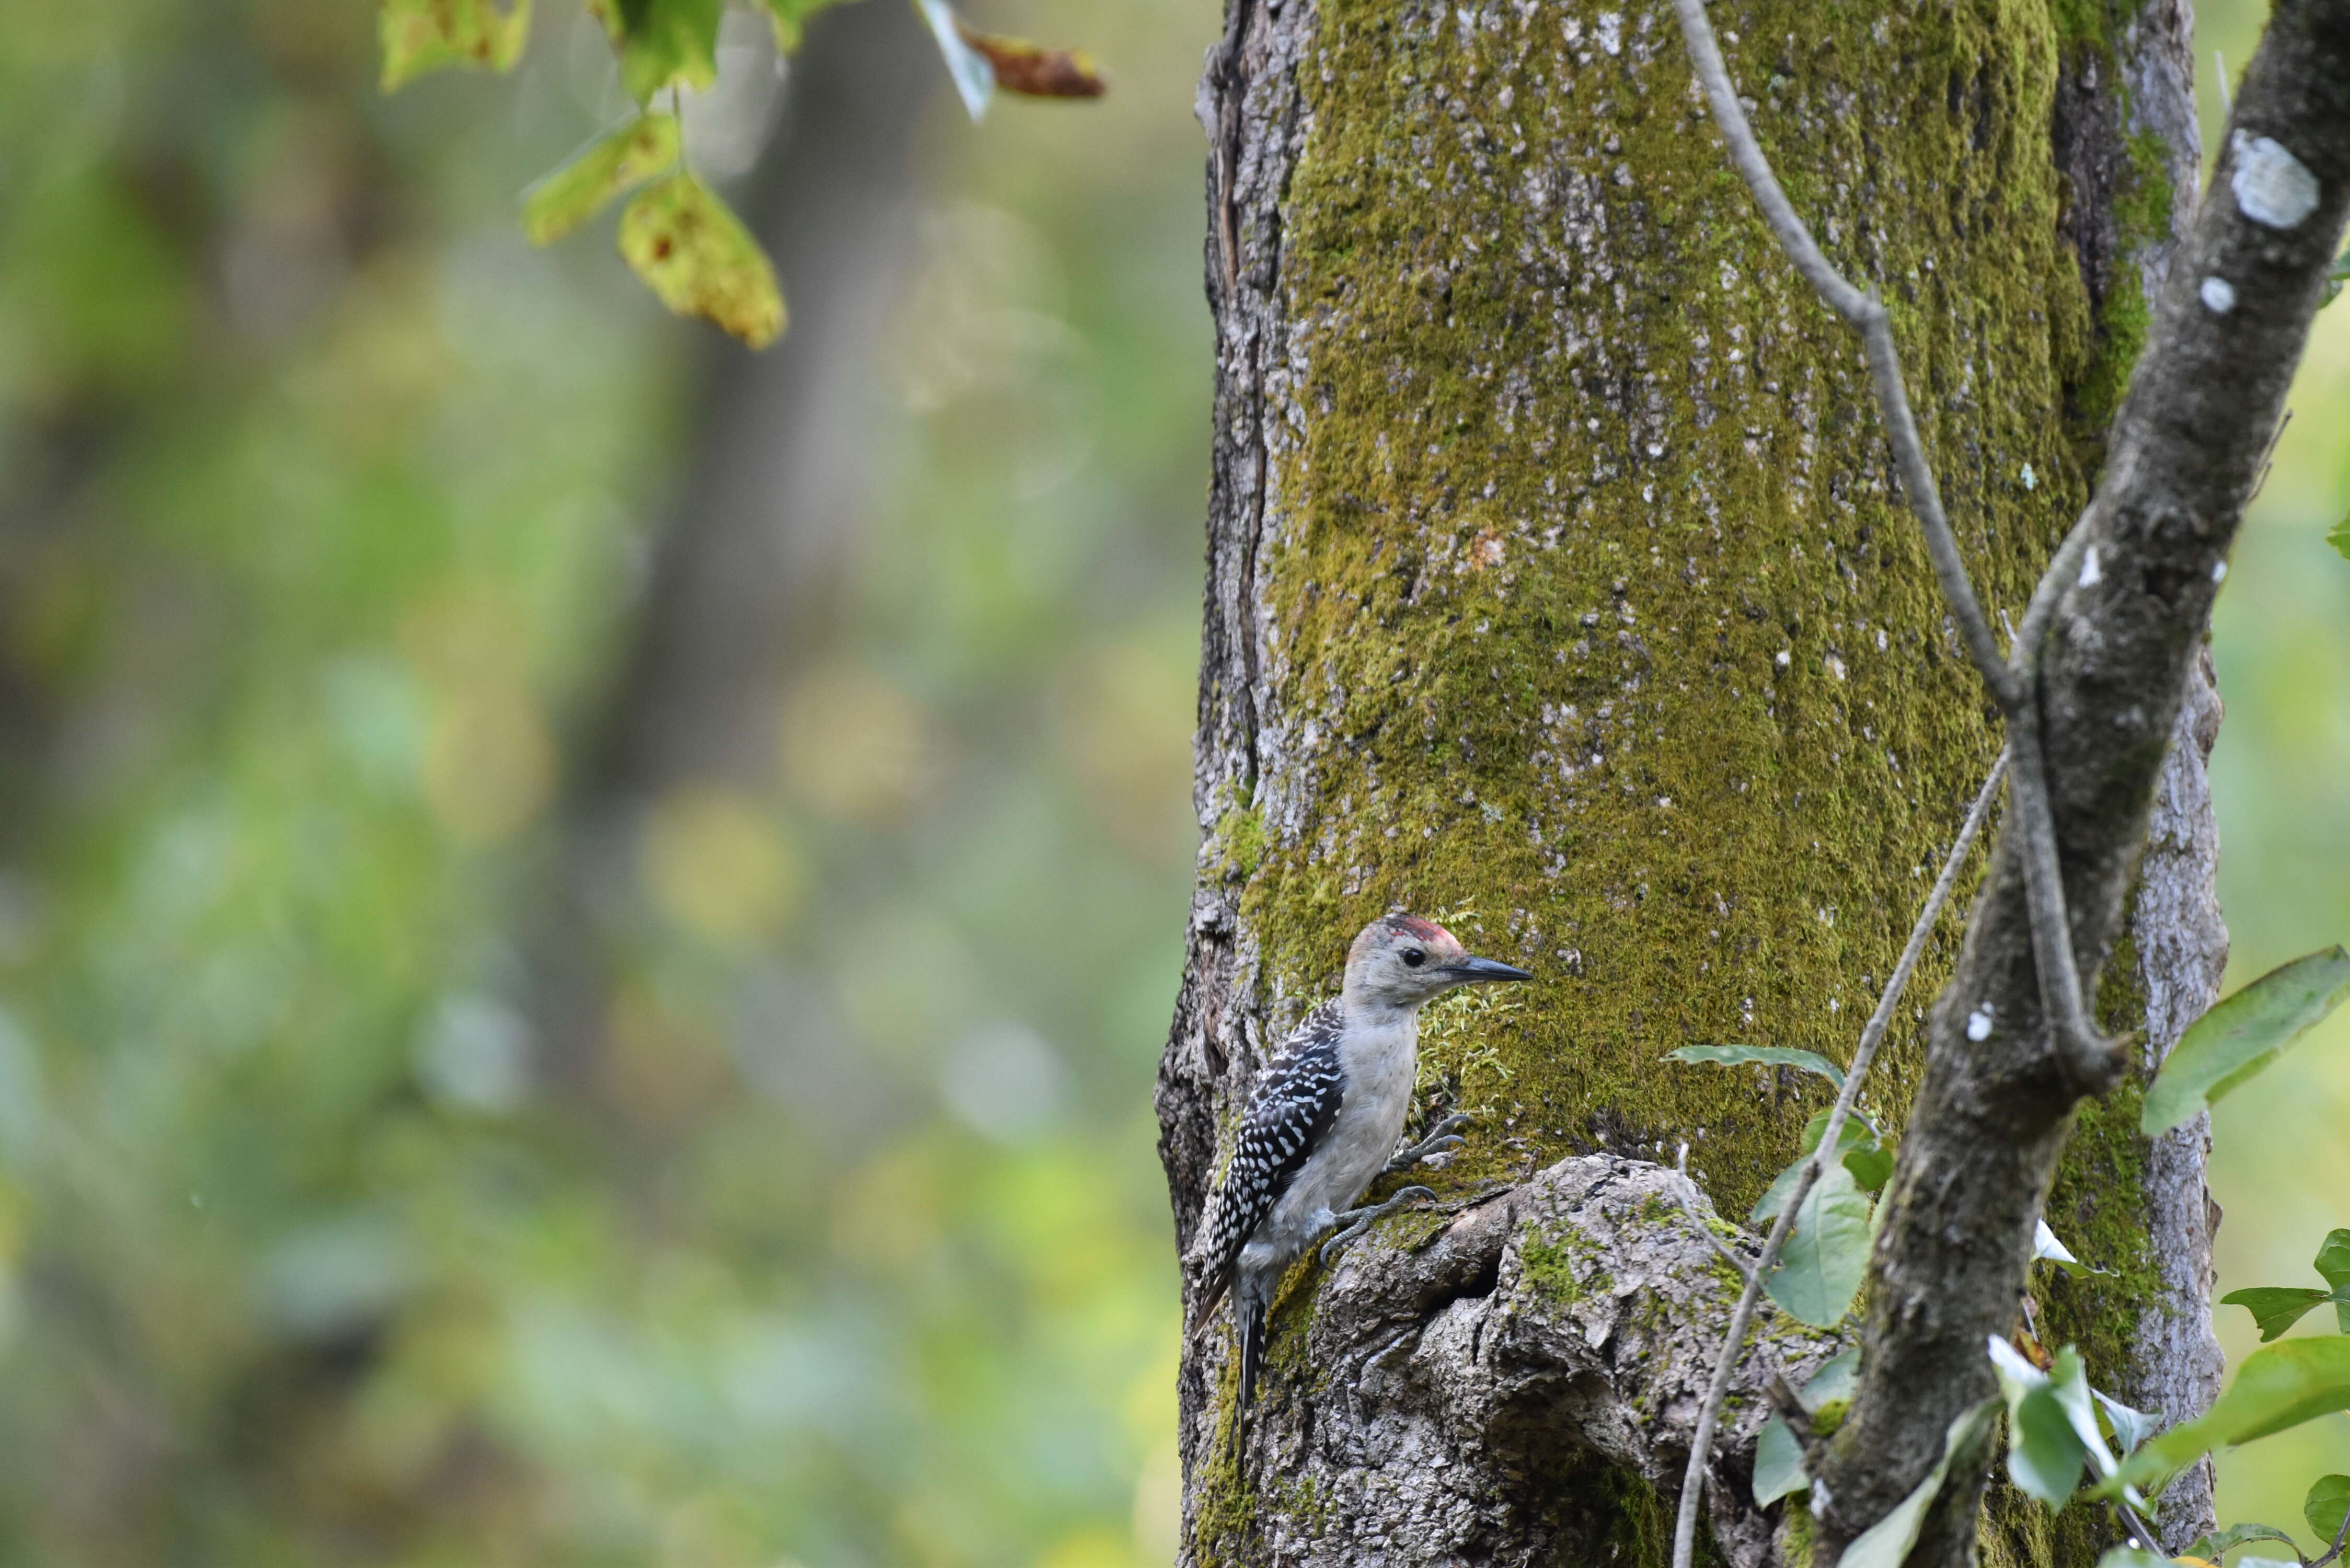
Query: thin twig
[2087, 1059]
[1865, 314]
[2135, 1522]
[2268, 459]
[1745, 1269]
[1742, 1318]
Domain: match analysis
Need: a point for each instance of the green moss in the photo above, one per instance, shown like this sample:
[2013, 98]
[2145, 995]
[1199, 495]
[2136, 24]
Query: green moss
[2092, 25]
[2121, 334]
[1240, 835]
[2143, 209]
[1560, 1268]
[1224, 1520]
[2142, 215]
[1796, 1541]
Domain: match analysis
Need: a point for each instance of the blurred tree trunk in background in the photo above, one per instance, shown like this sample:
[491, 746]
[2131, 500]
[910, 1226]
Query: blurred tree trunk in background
[780, 467]
[1558, 588]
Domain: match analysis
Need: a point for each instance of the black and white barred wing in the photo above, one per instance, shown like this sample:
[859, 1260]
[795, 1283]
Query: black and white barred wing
[1292, 1107]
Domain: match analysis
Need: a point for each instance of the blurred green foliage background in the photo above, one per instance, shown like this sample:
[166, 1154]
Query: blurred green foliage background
[821, 1222]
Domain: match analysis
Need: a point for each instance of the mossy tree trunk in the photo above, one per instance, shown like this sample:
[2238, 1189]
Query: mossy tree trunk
[1559, 587]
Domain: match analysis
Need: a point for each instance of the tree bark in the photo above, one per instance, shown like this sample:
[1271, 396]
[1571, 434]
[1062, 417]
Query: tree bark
[1559, 586]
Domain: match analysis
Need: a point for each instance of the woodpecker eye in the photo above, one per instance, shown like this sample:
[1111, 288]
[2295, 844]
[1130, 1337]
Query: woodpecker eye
[1413, 958]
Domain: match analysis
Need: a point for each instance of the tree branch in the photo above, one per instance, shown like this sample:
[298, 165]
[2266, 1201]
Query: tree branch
[2108, 644]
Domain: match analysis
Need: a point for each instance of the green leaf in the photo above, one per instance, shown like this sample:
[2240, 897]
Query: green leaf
[2278, 1387]
[2043, 1456]
[1886, 1543]
[662, 43]
[2243, 1035]
[975, 76]
[2339, 536]
[1871, 1165]
[2328, 1500]
[2052, 1424]
[1870, 1162]
[419, 35]
[790, 17]
[1778, 1457]
[2130, 1426]
[1774, 1197]
[700, 259]
[1778, 1464]
[1774, 1056]
[575, 192]
[2209, 1547]
[2132, 1557]
[2276, 1308]
[2332, 1262]
[1826, 1254]
[1834, 1383]
[1855, 1130]
[1853, 1139]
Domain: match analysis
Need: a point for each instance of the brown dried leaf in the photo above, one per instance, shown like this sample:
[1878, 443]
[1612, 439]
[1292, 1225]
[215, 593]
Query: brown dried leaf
[1031, 70]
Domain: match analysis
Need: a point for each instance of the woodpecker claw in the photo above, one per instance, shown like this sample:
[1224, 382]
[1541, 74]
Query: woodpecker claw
[1440, 1139]
[1358, 1221]
[1427, 1148]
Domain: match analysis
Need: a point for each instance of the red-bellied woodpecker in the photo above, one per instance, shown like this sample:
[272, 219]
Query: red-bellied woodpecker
[1325, 1119]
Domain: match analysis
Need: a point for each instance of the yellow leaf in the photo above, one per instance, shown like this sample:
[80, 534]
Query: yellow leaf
[420, 36]
[571, 195]
[701, 261]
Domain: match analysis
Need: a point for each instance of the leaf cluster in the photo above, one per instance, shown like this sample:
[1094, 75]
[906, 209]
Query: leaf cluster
[677, 234]
[2062, 1434]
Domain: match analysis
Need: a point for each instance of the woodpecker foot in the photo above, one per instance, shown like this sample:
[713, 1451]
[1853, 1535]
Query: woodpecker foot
[1442, 1138]
[1358, 1221]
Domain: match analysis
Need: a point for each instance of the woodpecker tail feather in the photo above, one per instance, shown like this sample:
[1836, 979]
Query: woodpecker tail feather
[1252, 1325]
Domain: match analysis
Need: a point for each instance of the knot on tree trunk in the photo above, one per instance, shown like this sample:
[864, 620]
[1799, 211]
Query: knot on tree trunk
[1520, 1381]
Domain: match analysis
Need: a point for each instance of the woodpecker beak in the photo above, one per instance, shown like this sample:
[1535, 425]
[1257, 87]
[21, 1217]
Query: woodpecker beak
[1474, 968]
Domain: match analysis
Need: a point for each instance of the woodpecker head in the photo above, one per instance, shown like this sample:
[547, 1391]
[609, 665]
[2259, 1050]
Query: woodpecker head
[1402, 960]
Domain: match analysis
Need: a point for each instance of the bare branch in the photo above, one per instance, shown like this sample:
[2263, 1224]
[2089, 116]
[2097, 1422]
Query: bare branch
[1741, 1317]
[2090, 1063]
